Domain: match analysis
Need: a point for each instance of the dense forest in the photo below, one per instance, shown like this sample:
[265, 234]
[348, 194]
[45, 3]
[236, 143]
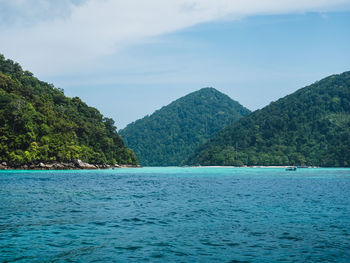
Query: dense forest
[309, 127]
[39, 123]
[170, 134]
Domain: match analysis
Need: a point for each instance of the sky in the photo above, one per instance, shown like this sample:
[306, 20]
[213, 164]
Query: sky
[130, 58]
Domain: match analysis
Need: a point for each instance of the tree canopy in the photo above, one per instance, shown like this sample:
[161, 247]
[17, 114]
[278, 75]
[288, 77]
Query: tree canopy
[170, 134]
[309, 127]
[39, 123]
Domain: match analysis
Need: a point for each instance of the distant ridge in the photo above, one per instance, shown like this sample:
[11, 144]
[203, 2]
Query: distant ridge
[309, 127]
[170, 134]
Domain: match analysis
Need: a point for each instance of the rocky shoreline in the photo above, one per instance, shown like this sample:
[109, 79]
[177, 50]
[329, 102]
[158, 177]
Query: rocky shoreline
[73, 165]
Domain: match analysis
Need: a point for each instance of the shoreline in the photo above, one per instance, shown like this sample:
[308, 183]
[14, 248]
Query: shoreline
[252, 166]
[80, 165]
[73, 165]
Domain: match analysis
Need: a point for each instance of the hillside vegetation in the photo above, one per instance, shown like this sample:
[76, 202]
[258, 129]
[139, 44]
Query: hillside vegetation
[39, 123]
[308, 127]
[170, 134]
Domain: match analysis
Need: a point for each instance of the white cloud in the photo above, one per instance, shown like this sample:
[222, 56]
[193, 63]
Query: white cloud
[82, 31]
[29, 12]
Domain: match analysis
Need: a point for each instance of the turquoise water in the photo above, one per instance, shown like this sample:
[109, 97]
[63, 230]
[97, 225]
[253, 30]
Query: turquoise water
[175, 215]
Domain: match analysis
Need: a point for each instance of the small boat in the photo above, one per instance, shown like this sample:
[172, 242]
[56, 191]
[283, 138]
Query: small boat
[291, 168]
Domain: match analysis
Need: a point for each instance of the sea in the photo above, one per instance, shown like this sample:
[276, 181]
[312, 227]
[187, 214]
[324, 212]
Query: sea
[175, 214]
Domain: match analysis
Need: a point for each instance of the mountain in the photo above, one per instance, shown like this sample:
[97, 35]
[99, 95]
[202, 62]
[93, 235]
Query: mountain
[170, 134]
[308, 127]
[38, 123]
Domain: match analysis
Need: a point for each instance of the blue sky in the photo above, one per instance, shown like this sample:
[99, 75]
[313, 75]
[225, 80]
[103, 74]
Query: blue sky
[131, 65]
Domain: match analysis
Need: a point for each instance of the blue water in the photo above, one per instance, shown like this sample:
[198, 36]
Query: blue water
[175, 215]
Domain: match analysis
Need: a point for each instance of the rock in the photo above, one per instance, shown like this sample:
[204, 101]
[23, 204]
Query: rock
[83, 165]
[49, 166]
[78, 162]
[58, 165]
[54, 165]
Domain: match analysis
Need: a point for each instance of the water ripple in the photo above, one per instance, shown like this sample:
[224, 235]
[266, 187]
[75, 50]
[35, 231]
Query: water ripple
[175, 215]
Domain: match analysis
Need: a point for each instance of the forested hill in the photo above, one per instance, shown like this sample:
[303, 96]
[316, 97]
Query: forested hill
[308, 127]
[170, 134]
[39, 123]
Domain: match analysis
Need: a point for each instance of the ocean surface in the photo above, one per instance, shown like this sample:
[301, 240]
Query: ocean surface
[175, 215]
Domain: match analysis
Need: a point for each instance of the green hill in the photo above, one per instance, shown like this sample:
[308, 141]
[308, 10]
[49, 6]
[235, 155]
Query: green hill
[308, 127]
[170, 134]
[39, 123]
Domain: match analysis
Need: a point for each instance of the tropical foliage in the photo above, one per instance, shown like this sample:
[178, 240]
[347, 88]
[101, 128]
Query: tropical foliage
[173, 132]
[39, 123]
[309, 127]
